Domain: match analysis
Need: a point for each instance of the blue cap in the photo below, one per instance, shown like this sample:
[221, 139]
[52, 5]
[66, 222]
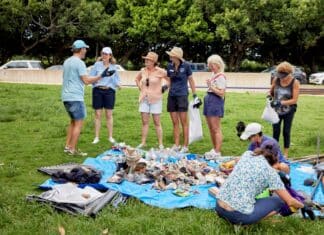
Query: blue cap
[78, 44]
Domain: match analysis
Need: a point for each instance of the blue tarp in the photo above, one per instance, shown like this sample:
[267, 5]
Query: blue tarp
[166, 199]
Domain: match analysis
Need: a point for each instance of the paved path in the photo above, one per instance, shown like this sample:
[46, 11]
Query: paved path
[236, 82]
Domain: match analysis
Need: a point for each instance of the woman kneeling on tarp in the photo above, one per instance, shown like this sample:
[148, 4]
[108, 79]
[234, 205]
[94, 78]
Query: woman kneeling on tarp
[251, 176]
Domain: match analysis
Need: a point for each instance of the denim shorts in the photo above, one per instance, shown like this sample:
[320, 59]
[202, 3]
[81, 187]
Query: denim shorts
[177, 103]
[75, 109]
[155, 108]
[103, 98]
[213, 105]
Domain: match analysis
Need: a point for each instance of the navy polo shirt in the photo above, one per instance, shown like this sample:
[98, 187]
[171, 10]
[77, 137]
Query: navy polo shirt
[179, 79]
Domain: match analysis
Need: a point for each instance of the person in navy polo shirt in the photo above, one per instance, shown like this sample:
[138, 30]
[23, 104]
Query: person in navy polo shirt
[180, 74]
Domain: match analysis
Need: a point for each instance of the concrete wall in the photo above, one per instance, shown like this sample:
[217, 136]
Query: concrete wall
[234, 80]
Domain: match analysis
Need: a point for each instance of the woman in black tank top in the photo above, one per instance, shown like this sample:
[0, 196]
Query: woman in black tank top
[285, 91]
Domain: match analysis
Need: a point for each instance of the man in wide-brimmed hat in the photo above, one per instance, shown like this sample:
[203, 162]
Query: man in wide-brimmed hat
[180, 74]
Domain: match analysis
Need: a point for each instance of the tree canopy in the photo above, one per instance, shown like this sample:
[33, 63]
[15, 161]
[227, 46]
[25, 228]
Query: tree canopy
[267, 31]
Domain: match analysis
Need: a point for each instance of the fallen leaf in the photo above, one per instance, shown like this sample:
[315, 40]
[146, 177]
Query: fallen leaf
[61, 230]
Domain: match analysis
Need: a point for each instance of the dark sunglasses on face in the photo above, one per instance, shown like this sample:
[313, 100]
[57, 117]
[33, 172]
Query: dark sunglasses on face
[147, 82]
[102, 53]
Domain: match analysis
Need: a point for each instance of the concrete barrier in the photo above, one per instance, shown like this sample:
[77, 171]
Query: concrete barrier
[234, 80]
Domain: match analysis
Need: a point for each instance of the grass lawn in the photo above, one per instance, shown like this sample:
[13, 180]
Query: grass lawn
[32, 127]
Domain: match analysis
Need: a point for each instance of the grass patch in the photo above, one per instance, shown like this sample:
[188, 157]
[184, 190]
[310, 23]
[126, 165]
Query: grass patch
[32, 127]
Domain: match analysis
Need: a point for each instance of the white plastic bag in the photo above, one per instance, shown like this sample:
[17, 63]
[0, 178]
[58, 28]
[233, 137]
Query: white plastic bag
[269, 114]
[195, 126]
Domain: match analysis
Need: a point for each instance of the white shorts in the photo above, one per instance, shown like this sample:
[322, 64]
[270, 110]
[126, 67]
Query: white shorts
[155, 108]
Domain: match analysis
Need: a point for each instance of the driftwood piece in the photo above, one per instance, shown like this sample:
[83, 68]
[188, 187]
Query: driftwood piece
[310, 159]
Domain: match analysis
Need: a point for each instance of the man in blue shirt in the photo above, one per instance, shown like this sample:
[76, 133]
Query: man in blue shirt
[74, 78]
[253, 133]
[180, 74]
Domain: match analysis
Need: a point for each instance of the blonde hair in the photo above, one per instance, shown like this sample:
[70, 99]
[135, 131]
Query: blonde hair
[285, 67]
[216, 59]
[112, 59]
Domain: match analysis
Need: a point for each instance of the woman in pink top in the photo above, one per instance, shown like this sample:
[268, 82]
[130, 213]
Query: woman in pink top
[149, 82]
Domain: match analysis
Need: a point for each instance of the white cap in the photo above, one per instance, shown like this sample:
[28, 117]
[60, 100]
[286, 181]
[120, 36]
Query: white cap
[107, 50]
[251, 129]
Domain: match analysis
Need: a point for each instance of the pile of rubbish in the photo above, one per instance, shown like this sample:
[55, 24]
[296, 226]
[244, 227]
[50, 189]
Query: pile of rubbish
[165, 169]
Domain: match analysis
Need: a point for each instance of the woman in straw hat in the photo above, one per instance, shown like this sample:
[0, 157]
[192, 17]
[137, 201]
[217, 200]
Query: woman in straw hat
[179, 73]
[149, 82]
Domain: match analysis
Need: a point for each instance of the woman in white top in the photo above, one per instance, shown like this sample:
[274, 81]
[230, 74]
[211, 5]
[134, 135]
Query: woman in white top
[214, 104]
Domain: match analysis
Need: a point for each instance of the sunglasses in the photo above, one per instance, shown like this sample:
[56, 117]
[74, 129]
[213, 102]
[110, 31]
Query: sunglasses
[102, 53]
[147, 82]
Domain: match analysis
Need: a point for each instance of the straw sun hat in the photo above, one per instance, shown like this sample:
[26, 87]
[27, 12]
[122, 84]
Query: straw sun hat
[176, 52]
[151, 56]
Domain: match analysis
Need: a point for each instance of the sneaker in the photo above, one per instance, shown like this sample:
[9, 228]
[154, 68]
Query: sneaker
[140, 146]
[176, 148]
[76, 153]
[95, 140]
[111, 140]
[212, 155]
[161, 147]
[66, 149]
[212, 151]
[184, 149]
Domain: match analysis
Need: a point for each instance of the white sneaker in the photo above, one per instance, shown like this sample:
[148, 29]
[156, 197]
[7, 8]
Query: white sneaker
[212, 155]
[184, 149]
[161, 147]
[212, 151]
[66, 149]
[95, 140]
[76, 153]
[176, 148]
[140, 146]
[112, 140]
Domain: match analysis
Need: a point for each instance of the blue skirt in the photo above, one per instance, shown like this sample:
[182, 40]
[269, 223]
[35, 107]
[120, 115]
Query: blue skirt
[213, 105]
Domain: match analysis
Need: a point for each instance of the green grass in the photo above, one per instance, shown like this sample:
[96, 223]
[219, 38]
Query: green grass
[32, 127]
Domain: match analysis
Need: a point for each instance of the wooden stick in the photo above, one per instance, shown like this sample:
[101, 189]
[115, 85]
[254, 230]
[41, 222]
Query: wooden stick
[309, 158]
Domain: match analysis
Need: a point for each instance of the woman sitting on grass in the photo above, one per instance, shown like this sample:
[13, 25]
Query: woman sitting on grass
[251, 176]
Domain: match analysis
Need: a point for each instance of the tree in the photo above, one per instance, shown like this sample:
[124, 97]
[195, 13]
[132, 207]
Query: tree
[152, 24]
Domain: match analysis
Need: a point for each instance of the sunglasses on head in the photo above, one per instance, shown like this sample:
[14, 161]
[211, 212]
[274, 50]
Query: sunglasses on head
[147, 82]
[268, 147]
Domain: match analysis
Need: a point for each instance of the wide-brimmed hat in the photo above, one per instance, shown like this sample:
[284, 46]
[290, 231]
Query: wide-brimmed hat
[251, 129]
[176, 52]
[151, 56]
[271, 146]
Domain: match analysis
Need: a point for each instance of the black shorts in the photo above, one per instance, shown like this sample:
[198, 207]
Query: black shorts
[177, 103]
[103, 98]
